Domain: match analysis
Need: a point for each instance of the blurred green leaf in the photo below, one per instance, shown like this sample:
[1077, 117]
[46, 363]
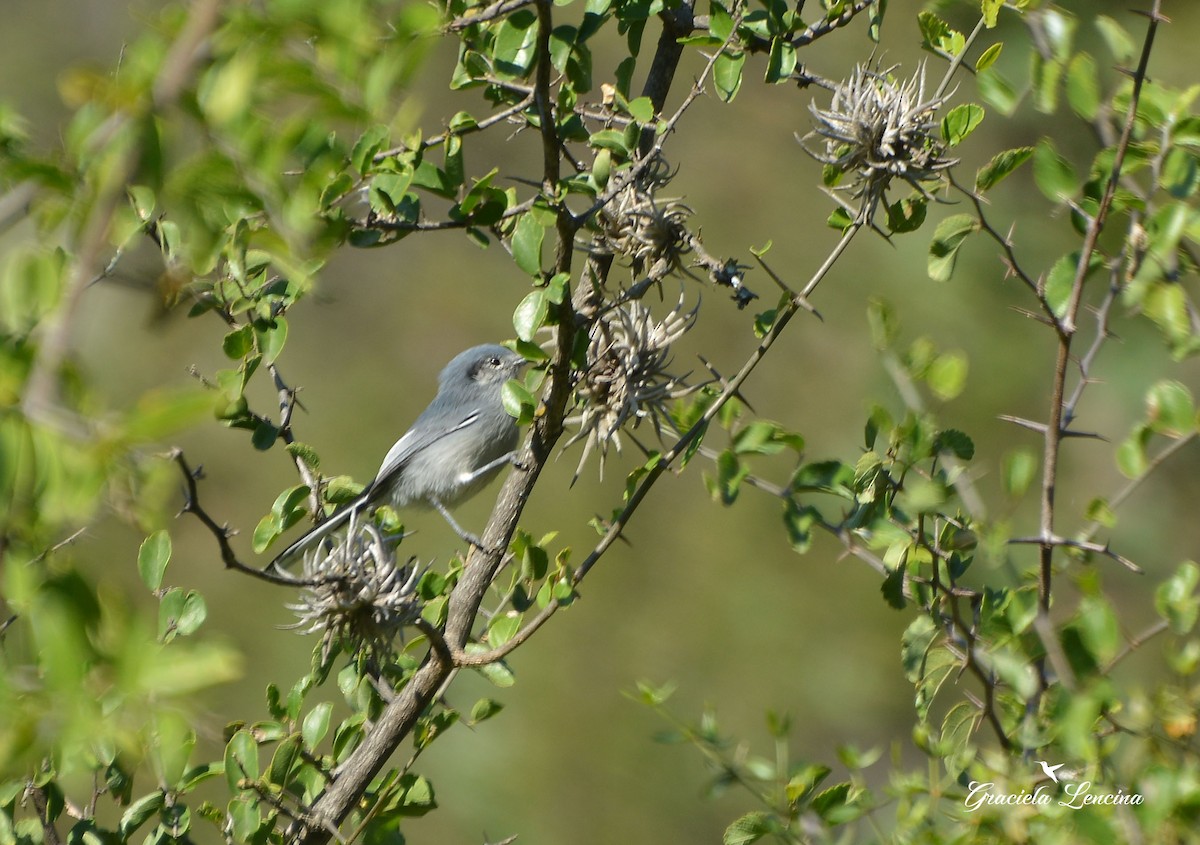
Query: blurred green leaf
[153, 556]
[1119, 42]
[750, 828]
[1053, 174]
[1018, 471]
[1083, 86]
[484, 709]
[947, 375]
[1170, 409]
[1176, 600]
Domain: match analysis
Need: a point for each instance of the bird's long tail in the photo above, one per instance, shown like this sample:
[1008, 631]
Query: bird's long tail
[317, 533]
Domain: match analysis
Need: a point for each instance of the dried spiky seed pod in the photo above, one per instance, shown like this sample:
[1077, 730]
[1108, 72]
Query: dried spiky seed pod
[627, 379]
[357, 594]
[877, 129]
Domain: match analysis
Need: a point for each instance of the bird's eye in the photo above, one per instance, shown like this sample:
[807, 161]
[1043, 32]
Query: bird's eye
[494, 361]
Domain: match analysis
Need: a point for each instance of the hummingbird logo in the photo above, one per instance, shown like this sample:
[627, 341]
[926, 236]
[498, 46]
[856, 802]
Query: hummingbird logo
[1051, 771]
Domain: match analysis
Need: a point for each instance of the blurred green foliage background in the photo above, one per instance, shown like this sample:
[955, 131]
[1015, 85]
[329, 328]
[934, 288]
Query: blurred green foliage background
[711, 598]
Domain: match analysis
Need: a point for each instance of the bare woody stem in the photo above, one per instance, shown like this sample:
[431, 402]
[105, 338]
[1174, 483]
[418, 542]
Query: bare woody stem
[1066, 326]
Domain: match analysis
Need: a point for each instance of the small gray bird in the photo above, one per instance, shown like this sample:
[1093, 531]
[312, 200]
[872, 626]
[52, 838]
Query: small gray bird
[455, 447]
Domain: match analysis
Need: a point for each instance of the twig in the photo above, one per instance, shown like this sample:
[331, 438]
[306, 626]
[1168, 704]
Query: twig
[479, 126]
[1082, 545]
[287, 407]
[496, 10]
[1066, 329]
[222, 533]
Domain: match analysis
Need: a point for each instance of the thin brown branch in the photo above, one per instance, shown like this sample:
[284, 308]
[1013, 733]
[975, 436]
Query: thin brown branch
[478, 126]
[1081, 545]
[495, 10]
[1066, 329]
[1159, 627]
[437, 225]
[222, 533]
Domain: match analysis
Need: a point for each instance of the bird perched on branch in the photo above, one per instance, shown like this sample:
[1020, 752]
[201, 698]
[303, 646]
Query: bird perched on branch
[453, 449]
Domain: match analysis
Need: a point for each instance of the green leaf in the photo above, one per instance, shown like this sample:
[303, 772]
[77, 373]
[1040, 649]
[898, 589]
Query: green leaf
[1013, 669]
[947, 238]
[527, 247]
[516, 44]
[1046, 74]
[1176, 600]
[990, 10]
[892, 588]
[241, 759]
[1098, 628]
[997, 91]
[1083, 86]
[1180, 174]
[140, 812]
[504, 628]
[956, 442]
[1018, 470]
[831, 804]
[530, 314]
[1170, 409]
[960, 122]
[1058, 28]
[1131, 454]
[799, 522]
[1053, 174]
[781, 61]
[749, 828]
[914, 643]
[727, 75]
[730, 474]
[371, 142]
[192, 614]
[239, 342]
[284, 760]
[271, 339]
[484, 709]
[641, 109]
[875, 20]
[153, 556]
[939, 36]
[1120, 44]
[907, 215]
[1001, 165]
[947, 375]
[989, 56]
[518, 402]
[1100, 512]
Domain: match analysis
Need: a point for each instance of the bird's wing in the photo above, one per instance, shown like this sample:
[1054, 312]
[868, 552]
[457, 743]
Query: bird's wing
[417, 439]
[413, 441]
